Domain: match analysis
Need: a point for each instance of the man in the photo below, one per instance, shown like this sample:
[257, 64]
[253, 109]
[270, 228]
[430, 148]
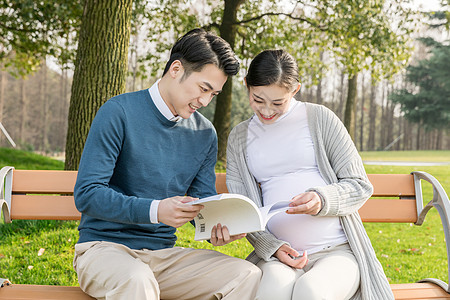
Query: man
[144, 152]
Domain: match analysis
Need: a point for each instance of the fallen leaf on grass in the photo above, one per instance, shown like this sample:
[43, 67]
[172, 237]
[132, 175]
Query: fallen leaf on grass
[412, 250]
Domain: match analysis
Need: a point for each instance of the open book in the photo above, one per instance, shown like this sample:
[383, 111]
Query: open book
[237, 212]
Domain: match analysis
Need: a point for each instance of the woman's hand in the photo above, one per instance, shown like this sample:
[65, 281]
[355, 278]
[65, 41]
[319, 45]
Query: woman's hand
[305, 203]
[220, 235]
[290, 257]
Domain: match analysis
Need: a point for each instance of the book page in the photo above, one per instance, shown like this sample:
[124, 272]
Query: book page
[239, 215]
[269, 211]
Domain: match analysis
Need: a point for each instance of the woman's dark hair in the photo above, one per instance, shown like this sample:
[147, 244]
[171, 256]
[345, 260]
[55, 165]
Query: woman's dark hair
[198, 48]
[273, 67]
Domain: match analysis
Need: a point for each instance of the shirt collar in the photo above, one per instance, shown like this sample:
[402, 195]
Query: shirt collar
[160, 104]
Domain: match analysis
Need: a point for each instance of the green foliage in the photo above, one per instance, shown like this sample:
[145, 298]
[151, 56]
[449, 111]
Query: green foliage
[363, 35]
[31, 30]
[428, 101]
[360, 34]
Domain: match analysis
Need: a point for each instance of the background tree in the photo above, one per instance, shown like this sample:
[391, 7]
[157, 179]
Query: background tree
[351, 30]
[427, 102]
[31, 30]
[100, 68]
[367, 39]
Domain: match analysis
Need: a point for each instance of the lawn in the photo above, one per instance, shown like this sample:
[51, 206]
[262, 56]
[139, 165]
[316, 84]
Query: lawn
[41, 252]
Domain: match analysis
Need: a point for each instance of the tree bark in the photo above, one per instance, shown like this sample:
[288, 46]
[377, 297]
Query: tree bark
[222, 114]
[350, 105]
[100, 68]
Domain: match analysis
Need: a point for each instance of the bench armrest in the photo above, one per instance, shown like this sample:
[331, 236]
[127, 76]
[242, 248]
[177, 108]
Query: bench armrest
[6, 174]
[441, 202]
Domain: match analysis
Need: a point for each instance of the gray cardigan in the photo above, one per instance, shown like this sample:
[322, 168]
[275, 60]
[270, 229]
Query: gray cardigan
[348, 188]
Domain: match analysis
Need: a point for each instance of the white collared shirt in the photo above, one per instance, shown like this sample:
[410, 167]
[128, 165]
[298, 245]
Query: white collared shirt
[161, 104]
[165, 111]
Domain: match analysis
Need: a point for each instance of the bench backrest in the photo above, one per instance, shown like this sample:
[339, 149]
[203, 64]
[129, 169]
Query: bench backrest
[38, 194]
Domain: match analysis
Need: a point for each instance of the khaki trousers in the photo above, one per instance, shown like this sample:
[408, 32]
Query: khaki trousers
[330, 274]
[113, 271]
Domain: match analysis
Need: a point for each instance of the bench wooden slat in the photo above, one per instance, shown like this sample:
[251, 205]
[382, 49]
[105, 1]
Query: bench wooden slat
[392, 185]
[43, 207]
[44, 181]
[389, 210]
[42, 292]
[417, 291]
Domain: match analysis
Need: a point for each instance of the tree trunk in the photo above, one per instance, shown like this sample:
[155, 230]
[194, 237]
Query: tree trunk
[418, 137]
[382, 127]
[319, 98]
[45, 111]
[342, 92]
[361, 129]
[439, 136]
[100, 68]
[389, 118]
[222, 114]
[350, 105]
[372, 118]
[23, 119]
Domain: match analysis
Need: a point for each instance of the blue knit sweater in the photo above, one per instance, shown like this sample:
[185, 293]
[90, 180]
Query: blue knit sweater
[132, 156]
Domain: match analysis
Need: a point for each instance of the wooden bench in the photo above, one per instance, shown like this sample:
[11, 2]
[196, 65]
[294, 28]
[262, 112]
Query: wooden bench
[30, 194]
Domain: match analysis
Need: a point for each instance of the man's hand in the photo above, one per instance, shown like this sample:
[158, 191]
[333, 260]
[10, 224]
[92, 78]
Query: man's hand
[305, 203]
[176, 211]
[220, 235]
[290, 257]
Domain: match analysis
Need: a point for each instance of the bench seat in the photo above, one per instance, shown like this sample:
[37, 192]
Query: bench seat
[48, 195]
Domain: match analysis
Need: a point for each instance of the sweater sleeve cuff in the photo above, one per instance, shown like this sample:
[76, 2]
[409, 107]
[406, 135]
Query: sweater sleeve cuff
[154, 211]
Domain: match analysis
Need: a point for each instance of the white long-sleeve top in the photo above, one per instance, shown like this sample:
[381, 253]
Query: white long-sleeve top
[281, 158]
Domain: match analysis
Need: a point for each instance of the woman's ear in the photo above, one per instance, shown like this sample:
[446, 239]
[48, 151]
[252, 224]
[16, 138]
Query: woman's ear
[297, 89]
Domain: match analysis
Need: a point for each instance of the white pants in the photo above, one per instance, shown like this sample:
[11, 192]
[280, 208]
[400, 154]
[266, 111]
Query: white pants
[330, 274]
[113, 271]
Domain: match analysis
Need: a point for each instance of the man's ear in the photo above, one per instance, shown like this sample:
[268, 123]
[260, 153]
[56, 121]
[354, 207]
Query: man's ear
[176, 69]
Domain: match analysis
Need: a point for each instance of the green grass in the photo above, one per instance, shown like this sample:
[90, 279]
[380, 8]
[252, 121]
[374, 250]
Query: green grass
[27, 160]
[407, 252]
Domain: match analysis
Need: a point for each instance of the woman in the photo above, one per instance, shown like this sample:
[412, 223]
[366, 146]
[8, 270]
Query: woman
[302, 152]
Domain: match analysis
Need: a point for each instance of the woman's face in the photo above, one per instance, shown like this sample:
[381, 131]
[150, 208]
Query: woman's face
[270, 102]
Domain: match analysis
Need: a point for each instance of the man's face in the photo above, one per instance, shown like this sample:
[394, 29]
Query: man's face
[187, 94]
